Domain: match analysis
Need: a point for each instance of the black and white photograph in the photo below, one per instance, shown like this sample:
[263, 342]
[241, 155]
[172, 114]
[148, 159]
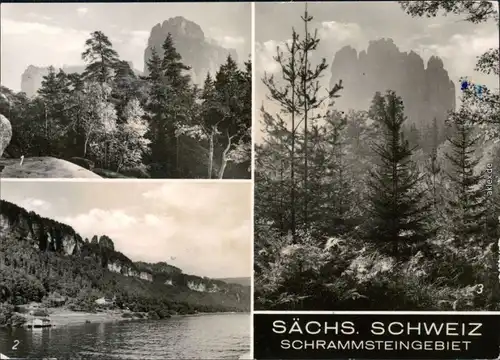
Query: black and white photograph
[126, 90]
[377, 156]
[125, 270]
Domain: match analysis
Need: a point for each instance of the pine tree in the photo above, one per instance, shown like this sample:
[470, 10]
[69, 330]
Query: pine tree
[55, 96]
[272, 174]
[101, 58]
[210, 118]
[286, 97]
[234, 98]
[125, 86]
[173, 67]
[178, 92]
[399, 217]
[308, 93]
[156, 104]
[466, 203]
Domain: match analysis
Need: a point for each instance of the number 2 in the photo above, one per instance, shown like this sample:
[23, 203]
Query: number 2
[16, 343]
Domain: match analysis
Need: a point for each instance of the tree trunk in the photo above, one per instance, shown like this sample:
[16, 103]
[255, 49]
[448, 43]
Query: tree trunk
[85, 146]
[224, 156]
[306, 145]
[211, 153]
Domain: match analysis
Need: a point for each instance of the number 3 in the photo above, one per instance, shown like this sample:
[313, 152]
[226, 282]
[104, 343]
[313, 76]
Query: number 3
[480, 288]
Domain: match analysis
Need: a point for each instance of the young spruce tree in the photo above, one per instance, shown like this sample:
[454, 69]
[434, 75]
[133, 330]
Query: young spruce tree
[298, 94]
[399, 217]
[466, 206]
[309, 97]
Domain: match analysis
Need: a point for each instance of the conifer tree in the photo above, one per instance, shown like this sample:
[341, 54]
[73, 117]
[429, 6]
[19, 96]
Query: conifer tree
[177, 86]
[286, 97]
[157, 101]
[308, 94]
[54, 94]
[434, 170]
[210, 119]
[100, 57]
[466, 203]
[125, 86]
[399, 216]
[272, 173]
[234, 98]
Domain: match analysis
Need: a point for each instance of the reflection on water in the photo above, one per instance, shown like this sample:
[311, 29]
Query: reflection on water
[221, 336]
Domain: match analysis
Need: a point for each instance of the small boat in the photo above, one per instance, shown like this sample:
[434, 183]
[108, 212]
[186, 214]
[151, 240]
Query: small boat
[39, 323]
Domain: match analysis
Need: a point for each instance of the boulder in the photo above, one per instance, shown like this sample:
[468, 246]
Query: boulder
[5, 133]
[43, 167]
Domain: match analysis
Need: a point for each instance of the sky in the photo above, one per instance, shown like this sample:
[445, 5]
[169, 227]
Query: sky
[201, 227]
[54, 33]
[456, 42]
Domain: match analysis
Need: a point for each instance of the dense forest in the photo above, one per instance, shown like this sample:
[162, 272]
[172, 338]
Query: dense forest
[118, 124]
[42, 260]
[352, 215]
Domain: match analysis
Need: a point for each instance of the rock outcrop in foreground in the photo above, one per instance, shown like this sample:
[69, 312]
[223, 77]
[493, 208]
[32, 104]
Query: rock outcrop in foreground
[43, 167]
[189, 40]
[427, 91]
[5, 133]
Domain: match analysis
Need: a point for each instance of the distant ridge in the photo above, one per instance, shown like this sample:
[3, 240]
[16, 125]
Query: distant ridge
[245, 281]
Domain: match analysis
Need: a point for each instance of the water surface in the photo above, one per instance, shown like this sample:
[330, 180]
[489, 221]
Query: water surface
[220, 336]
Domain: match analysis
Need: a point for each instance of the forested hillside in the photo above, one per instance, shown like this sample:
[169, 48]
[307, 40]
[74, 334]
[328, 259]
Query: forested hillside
[40, 257]
[351, 213]
[118, 124]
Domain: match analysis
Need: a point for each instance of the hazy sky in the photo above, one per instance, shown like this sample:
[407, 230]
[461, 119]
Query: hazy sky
[455, 41]
[202, 228]
[55, 33]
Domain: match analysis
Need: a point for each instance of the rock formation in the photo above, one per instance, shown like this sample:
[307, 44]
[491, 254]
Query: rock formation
[106, 242]
[190, 42]
[5, 133]
[31, 79]
[46, 235]
[427, 91]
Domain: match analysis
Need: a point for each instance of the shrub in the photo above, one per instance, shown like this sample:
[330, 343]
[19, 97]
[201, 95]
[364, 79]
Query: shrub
[140, 172]
[153, 315]
[109, 174]
[86, 163]
[6, 313]
[343, 275]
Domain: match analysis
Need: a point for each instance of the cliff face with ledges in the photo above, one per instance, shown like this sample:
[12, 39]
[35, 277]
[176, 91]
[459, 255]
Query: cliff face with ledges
[189, 40]
[427, 91]
[47, 235]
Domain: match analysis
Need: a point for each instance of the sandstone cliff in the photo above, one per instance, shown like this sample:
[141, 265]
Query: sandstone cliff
[44, 235]
[189, 40]
[427, 90]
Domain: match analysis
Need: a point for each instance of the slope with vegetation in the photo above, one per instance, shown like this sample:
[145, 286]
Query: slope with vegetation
[41, 257]
[350, 215]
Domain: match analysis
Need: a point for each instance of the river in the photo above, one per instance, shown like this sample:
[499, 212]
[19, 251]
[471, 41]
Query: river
[219, 336]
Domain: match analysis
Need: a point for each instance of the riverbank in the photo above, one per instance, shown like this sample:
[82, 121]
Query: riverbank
[62, 316]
